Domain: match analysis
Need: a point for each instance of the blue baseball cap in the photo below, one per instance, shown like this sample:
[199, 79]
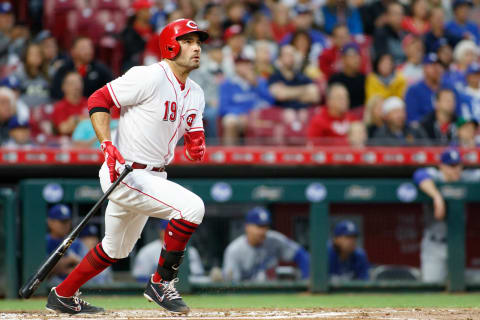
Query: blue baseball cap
[60, 212]
[458, 3]
[89, 230]
[350, 46]
[259, 216]
[5, 7]
[451, 157]
[15, 122]
[440, 43]
[473, 68]
[430, 58]
[345, 228]
[11, 82]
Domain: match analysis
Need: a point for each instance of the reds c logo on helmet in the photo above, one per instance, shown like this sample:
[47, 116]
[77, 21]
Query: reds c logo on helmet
[169, 46]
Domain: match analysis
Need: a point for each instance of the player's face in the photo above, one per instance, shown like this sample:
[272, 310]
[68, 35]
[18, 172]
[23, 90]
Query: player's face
[451, 173]
[59, 228]
[191, 49]
[255, 234]
[346, 244]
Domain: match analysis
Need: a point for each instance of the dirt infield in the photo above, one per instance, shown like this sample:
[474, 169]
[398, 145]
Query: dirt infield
[277, 314]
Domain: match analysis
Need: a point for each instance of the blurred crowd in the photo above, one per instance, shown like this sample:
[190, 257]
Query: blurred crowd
[276, 72]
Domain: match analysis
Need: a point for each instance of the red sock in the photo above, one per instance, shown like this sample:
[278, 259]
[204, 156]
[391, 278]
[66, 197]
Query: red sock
[177, 234]
[92, 264]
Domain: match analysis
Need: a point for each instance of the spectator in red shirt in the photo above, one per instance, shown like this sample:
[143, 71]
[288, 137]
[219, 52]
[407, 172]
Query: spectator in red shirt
[330, 61]
[281, 24]
[331, 124]
[72, 108]
[418, 24]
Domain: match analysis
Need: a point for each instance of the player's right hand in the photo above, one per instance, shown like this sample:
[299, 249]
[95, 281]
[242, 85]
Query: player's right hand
[439, 207]
[112, 155]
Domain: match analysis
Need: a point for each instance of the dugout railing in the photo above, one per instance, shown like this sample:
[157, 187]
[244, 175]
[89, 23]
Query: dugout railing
[8, 244]
[35, 194]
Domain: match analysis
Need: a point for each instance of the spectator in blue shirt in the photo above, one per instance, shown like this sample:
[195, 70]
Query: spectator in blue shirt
[59, 223]
[438, 31]
[470, 96]
[420, 97]
[239, 95]
[465, 53]
[335, 11]
[460, 26]
[346, 261]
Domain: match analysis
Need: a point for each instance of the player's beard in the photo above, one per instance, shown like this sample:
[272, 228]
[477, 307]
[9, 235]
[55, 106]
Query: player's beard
[189, 63]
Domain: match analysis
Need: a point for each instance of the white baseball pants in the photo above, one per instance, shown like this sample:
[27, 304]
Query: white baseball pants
[142, 194]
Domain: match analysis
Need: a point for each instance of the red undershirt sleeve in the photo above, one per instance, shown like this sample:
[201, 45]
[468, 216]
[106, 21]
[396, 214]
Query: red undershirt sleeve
[100, 101]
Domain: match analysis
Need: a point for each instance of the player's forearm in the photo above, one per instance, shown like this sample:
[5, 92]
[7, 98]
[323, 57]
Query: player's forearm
[101, 125]
[99, 105]
[429, 187]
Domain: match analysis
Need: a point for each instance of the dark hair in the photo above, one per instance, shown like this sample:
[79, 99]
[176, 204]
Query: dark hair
[70, 73]
[43, 70]
[78, 39]
[439, 93]
[379, 58]
[338, 26]
[300, 33]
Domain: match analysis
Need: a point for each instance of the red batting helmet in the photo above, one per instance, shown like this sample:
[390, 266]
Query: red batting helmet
[169, 46]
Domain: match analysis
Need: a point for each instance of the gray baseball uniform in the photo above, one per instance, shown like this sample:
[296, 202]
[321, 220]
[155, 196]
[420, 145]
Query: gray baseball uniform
[243, 262]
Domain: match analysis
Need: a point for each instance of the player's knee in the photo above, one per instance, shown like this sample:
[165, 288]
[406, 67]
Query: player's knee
[114, 250]
[197, 210]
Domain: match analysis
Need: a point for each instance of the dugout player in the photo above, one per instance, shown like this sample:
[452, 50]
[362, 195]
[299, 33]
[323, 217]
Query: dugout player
[255, 255]
[433, 256]
[158, 105]
[346, 261]
[59, 221]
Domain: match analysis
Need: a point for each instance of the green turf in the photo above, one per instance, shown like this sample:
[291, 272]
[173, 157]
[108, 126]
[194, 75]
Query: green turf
[277, 301]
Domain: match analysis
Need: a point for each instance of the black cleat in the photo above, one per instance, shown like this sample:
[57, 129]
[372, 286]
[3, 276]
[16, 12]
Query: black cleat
[166, 296]
[70, 305]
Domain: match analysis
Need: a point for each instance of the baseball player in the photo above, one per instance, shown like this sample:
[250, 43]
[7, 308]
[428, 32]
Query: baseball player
[158, 105]
[255, 255]
[433, 254]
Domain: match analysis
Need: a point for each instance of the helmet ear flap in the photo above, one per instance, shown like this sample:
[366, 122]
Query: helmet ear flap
[174, 48]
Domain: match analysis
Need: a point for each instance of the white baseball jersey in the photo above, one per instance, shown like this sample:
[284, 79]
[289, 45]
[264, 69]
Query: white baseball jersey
[155, 113]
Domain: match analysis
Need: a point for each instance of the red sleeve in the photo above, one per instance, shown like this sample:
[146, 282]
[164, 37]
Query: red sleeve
[100, 99]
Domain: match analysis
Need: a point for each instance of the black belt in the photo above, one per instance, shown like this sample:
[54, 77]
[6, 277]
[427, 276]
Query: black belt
[137, 165]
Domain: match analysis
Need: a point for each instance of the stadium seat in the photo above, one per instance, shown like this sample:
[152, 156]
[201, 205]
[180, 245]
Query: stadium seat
[40, 121]
[262, 125]
[395, 272]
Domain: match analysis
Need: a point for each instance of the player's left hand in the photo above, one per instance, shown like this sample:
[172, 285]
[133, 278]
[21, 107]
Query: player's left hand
[194, 148]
